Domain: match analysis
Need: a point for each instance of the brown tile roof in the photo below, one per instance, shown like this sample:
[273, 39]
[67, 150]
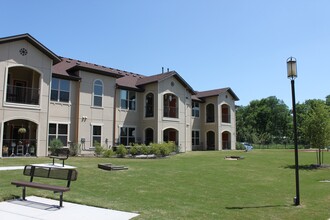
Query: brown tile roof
[34, 42]
[129, 81]
[68, 68]
[159, 77]
[216, 92]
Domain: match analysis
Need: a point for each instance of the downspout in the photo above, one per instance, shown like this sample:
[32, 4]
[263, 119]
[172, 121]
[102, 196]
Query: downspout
[114, 117]
[77, 112]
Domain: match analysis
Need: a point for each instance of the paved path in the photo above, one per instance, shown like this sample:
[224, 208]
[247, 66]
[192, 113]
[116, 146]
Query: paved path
[46, 209]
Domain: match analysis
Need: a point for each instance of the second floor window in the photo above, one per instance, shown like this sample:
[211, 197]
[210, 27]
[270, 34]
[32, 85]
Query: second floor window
[98, 93]
[60, 90]
[195, 109]
[170, 106]
[127, 99]
[149, 105]
[225, 112]
[210, 113]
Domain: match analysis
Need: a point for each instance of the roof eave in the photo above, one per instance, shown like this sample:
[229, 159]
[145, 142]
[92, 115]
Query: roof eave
[56, 59]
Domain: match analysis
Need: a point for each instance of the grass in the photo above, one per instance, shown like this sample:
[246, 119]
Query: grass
[195, 185]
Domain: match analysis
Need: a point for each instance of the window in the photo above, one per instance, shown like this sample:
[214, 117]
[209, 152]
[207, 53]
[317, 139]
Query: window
[195, 109]
[225, 112]
[97, 133]
[127, 99]
[98, 93]
[170, 106]
[149, 105]
[127, 135]
[58, 131]
[210, 113]
[149, 136]
[60, 91]
[195, 137]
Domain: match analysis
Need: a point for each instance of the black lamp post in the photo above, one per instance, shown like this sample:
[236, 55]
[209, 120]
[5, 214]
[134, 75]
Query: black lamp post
[292, 74]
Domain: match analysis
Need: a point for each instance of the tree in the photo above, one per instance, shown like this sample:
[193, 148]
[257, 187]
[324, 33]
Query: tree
[327, 100]
[263, 121]
[315, 125]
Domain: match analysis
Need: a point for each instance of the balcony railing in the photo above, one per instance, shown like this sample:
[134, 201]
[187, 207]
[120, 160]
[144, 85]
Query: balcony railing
[22, 95]
[170, 112]
[22, 147]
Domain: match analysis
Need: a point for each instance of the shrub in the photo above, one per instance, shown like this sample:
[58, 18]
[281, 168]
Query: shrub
[135, 150]
[54, 145]
[165, 149]
[108, 153]
[155, 149]
[98, 148]
[145, 149]
[74, 149]
[121, 151]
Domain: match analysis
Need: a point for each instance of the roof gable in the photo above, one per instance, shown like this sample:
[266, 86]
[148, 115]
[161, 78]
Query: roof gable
[216, 92]
[35, 43]
[163, 76]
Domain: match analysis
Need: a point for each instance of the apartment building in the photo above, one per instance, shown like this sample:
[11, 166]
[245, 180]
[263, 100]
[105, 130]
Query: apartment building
[45, 96]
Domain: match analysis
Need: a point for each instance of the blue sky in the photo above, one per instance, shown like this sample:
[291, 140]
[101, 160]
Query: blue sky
[211, 43]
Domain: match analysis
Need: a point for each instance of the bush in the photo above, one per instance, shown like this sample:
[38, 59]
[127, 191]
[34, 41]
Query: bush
[54, 145]
[135, 150]
[108, 153]
[98, 148]
[74, 149]
[145, 150]
[121, 151]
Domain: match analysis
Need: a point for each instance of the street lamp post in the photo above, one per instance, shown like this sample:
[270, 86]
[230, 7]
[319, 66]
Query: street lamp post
[292, 74]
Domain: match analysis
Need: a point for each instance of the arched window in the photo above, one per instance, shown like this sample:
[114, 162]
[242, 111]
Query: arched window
[210, 113]
[23, 86]
[170, 106]
[225, 112]
[171, 134]
[210, 140]
[98, 93]
[226, 143]
[149, 111]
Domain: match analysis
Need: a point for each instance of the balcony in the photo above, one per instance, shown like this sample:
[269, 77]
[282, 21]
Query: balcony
[22, 95]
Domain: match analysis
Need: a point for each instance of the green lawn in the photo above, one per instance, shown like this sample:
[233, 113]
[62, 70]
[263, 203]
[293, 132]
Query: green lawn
[195, 185]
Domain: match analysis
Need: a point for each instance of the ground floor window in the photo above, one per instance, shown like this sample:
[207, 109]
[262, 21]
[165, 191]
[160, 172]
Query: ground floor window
[127, 135]
[58, 131]
[97, 134]
[195, 138]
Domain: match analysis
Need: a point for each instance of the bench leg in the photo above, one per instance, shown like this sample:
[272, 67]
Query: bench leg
[53, 160]
[61, 199]
[23, 192]
[62, 163]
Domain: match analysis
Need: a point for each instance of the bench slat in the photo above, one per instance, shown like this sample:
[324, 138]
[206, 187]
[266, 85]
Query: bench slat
[41, 186]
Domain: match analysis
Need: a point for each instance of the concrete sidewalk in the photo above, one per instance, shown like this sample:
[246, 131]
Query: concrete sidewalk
[47, 209]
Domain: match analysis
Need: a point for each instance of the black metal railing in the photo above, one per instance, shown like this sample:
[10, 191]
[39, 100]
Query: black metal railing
[21, 147]
[22, 95]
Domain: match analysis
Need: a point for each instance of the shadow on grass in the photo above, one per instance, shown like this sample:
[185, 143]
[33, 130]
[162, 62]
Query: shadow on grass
[308, 167]
[257, 207]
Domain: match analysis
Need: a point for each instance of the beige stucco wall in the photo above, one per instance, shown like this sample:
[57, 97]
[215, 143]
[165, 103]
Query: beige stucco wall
[39, 62]
[89, 115]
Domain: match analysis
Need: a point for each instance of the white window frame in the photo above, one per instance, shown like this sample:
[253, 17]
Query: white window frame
[127, 100]
[97, 95]
[58, 89]
[57, 130]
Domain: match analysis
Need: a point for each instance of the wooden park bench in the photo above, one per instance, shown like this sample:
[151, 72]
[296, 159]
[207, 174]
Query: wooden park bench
[57, 173]
[60, 154]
